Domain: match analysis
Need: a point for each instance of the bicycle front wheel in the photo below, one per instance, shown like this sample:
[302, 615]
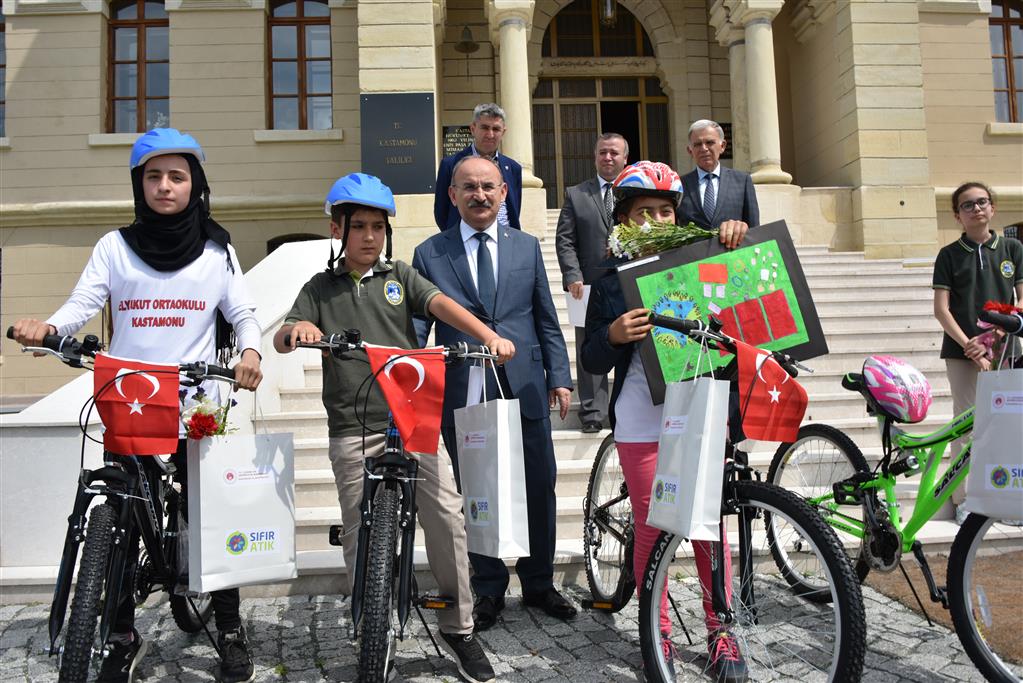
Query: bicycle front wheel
[983, 583]
[607, 530]
[820, 456]
[79, 641]
[781, 636]
[376, 633]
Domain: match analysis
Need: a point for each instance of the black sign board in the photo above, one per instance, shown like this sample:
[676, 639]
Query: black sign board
[398, 141]
[727, 127]
[456, 138]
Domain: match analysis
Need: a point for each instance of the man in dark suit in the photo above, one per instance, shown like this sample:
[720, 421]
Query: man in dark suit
[731, 203]
[487, 128]
[581, 243]
[498, 274]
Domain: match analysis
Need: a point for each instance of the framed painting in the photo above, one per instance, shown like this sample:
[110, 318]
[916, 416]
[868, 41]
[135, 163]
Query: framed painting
[758, 291]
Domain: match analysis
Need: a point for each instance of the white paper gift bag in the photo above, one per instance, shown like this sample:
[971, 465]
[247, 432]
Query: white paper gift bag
[994, 486]
[492, 475]
[241, 510]
[686, 495]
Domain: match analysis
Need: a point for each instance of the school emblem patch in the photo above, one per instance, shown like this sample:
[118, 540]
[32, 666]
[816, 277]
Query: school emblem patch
[1008, 268]
[393, 292]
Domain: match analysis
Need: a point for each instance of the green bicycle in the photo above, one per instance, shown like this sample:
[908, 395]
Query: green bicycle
[830, 472]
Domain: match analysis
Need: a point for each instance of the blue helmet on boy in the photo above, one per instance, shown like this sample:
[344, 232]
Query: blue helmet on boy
[160, 141]
[354, 191]
[361, 189]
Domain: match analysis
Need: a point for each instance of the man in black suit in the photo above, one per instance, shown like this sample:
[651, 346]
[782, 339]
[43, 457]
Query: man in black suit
[715, 196]
[487, 128]
[581, 243]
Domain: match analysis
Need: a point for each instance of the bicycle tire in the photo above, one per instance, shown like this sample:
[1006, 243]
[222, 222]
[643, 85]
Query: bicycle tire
[376, 634]
[981, 624]
[79, 640]
[820, 456]
[607, 559]
[780, 634]
[185, 618]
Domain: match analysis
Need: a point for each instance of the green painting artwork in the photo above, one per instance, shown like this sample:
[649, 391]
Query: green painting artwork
[758, 292]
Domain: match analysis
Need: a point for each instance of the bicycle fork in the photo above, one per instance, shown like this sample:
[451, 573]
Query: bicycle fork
[393, 468]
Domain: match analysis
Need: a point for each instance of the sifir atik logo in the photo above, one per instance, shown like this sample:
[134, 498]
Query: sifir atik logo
[252, 541]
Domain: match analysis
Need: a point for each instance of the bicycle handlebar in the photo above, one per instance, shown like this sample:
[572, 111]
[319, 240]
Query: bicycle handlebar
[695, 329]
[351, 340]
[1013, 324]
[72, 352]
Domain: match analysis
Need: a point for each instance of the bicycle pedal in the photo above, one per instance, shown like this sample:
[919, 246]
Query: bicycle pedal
[335, 534]
[602, 605]
[435, 602]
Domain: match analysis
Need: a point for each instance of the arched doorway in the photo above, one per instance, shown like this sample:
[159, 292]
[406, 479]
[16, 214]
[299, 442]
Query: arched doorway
[594, 77]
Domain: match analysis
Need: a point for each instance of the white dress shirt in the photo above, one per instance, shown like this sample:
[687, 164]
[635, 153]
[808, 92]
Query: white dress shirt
[472, 245]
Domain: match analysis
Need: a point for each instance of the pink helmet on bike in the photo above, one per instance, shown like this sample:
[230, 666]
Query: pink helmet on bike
[901, 390]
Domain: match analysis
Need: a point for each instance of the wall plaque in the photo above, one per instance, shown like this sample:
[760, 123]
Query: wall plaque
[398, 141]
[456, 138]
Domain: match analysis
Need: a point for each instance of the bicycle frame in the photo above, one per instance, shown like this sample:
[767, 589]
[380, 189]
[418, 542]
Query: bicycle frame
[111, 482]
[393, 468]
[932, 491]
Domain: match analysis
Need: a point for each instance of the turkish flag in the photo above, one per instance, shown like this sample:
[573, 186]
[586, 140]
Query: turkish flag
[413, 384]
[139, 405]
[772, 403]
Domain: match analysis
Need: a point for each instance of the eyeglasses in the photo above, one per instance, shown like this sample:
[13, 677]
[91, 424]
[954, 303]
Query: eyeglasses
[488, 188]
[975, 203]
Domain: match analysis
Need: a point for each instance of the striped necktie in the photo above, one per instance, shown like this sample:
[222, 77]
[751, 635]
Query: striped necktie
[709, 198]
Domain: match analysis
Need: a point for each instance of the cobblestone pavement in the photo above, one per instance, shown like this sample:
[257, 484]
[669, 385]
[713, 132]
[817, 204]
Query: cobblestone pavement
[303, 638]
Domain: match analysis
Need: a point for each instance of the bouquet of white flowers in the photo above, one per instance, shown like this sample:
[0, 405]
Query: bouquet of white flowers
[632, 240]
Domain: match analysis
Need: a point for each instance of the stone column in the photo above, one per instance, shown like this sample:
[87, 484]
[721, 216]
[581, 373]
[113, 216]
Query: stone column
[510, 23]
[764, 142]
[734, 38]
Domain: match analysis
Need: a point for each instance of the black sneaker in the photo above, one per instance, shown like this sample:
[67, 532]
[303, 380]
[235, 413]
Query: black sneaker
[119, 665]
[468, 654]
[726, 662]
[235, 662]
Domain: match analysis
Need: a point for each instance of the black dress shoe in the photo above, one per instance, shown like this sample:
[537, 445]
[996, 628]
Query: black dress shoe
[485, 611]
[552, 602]
[590, 427]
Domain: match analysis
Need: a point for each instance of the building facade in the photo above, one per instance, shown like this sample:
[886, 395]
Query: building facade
[856, 117]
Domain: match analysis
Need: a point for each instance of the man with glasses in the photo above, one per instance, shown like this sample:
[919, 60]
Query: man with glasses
[498, 274]
[487, 128]
[715, 196]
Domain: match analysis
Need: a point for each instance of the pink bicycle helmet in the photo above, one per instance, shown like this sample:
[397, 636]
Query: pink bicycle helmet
[900, 389]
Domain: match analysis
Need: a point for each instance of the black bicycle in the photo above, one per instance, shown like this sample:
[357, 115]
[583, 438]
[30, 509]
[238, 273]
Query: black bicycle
[136, 492]
[385, 589]
[774, 541]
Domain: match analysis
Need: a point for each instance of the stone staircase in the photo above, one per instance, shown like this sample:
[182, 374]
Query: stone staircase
[865, 307]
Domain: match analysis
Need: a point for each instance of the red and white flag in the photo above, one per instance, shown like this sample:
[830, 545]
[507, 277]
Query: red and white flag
[139, 405]
[771, 402]
[413, 384]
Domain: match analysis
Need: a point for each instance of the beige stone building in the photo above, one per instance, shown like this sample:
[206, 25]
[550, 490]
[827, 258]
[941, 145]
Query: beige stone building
[856, 117]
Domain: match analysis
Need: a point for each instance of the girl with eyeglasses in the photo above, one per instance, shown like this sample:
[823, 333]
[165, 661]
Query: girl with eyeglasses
[978, 267]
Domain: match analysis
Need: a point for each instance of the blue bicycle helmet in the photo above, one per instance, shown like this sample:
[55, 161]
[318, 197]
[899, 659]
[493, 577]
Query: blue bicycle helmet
[361, 189]
[160, 141]
[354, 191]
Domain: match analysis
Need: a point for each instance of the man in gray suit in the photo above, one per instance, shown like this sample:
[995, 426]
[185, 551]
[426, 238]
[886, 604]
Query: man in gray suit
[581, 243]
[715, 196]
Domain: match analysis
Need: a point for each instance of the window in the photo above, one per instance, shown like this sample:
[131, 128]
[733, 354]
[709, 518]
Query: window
[1006, 29]
[3, 72]
[299, 81]
[576, 31]
[138, 81]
